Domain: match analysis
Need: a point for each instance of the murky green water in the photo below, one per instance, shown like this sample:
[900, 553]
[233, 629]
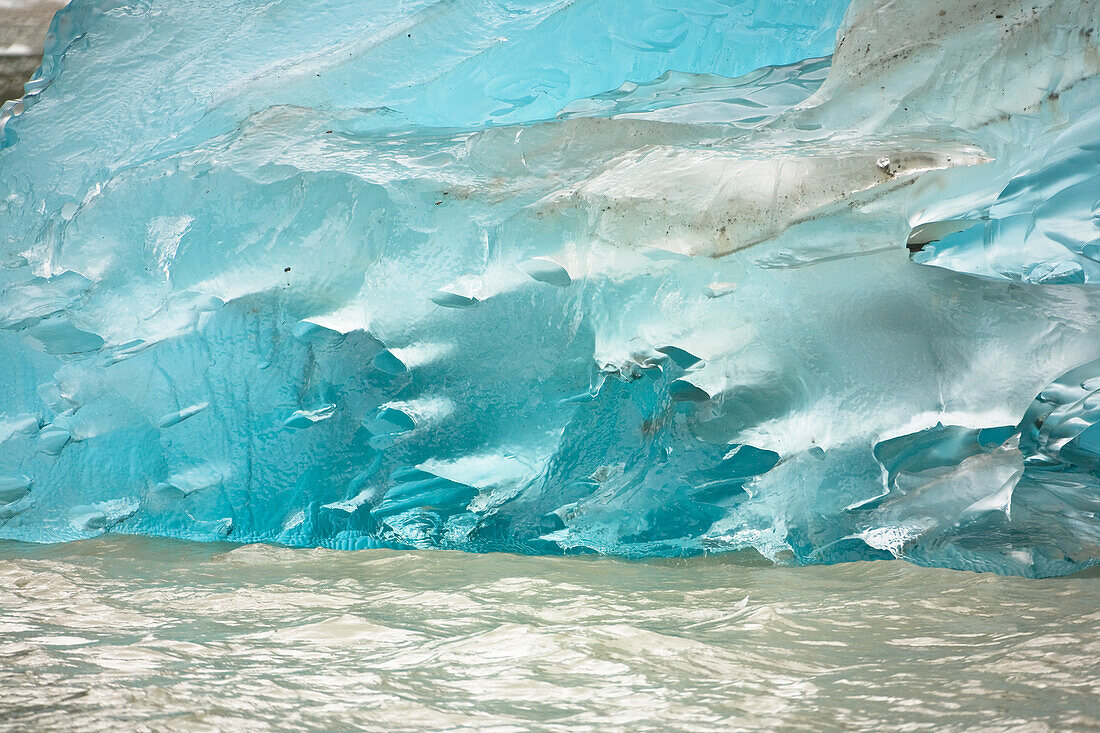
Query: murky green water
[125, 633]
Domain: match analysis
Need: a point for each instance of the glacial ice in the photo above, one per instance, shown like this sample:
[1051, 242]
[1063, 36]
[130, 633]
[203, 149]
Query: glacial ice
[627, 277]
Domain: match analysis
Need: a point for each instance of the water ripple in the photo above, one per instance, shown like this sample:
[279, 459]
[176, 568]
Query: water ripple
[158, 634]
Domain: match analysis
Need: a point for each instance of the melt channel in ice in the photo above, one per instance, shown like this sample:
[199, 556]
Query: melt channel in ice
[632, 276]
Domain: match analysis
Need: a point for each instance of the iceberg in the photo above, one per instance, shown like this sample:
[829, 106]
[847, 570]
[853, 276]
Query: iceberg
[811, 279]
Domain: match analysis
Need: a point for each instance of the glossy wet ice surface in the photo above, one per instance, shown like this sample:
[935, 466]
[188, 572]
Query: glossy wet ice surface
[159, 634]
[633, 277]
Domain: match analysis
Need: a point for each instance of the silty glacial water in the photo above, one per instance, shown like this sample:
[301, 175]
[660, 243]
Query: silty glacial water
[156, 634]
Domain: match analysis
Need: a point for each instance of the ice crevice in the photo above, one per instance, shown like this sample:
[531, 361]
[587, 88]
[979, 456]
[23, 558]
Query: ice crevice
[604, 277]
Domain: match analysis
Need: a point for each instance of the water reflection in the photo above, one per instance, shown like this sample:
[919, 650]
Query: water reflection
[125, 632]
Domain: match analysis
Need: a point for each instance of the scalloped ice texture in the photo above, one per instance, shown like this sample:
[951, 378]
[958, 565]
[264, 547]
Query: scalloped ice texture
[559, 277]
